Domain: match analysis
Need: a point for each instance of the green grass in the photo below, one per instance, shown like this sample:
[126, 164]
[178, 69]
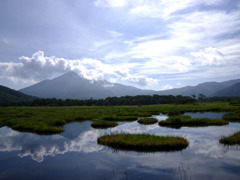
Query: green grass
[103, 124]
[179, 121]
[119, 118]
[143, 142]
[51, 119]
[232, 116]
[231, 140]
[147, 121]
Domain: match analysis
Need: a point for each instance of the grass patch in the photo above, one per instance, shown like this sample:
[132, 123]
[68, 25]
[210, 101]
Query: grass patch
[143, 142]
[103, 124]
[147, 121]
[179, 121]
[231, 140]
[232, 116]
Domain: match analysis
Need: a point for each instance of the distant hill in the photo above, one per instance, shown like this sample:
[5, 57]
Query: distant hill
[233, 90]
[72, 86]
[208, 89]
[9, 95]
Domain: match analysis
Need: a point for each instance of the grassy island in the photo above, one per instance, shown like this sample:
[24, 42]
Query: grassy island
[103, 124]
[179, 121]
[143, 142]
[147, 121]
[231, 140]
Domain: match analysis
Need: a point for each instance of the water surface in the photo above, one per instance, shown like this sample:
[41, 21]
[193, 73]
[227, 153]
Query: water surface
[75, 154]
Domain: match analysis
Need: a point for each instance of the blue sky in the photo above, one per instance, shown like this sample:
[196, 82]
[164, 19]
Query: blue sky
[149, 44]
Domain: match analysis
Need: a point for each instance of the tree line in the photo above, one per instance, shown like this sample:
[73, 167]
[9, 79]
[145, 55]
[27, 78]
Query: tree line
[124, 100]
[110, 101]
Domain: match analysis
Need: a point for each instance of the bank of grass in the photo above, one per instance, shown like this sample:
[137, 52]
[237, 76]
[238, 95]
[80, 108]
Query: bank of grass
[147, 121]
[143, 142]
[231, 140]
[179, 121]
[49, 120]
[103, 124]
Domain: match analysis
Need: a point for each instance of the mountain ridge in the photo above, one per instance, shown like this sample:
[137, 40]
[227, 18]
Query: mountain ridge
[72, 86]
[8, 95]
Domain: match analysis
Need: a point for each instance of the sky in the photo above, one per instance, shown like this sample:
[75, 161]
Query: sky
[149, 44]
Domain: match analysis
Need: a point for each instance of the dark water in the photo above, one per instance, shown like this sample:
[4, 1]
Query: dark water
[75, 154]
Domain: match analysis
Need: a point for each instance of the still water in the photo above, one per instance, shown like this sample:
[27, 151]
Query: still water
[75, 154]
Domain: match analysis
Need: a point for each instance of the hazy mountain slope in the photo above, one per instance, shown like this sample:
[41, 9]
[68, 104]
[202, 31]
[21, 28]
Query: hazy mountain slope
[10, 95]
[233, 90]
[205, 88]
[72, 86]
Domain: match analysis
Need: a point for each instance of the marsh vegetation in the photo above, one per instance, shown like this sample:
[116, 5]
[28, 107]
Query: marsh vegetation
[233, 139]
[143, 142]
[147, 121]
[179, 121]
[103, 124]
[49, 120]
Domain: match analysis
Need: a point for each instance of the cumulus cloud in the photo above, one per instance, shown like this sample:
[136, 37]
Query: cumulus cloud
[39, 67]
[166, 87]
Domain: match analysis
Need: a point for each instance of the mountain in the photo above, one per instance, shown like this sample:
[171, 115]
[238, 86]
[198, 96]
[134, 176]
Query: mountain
[208, 89]
[233, 90]
[72, 86]
[8, 95]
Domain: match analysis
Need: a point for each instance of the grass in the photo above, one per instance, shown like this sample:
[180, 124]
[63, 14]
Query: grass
[143, 142]
[119, 118]
[232, 116]
[179, 121]
[103, 124]
[51, 119]
[147, 121]
[231, 140]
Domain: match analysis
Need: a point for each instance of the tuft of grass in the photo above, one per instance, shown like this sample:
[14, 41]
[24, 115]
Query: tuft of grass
[231, 140]
[103, 124]
[179, 121]
[147, 121]
[143, 142]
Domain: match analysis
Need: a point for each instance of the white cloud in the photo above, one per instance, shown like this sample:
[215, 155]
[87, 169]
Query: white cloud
[209, 56]
[166, 87]
[165, 8]
[39, 67]
[110, 3]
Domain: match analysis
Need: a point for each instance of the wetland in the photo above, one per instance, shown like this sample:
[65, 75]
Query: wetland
[74, 151]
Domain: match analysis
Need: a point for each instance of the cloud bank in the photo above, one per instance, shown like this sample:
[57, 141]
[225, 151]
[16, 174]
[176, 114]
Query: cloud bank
[40, 67]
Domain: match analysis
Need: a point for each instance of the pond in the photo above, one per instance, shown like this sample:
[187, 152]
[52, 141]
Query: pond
[75, 154]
